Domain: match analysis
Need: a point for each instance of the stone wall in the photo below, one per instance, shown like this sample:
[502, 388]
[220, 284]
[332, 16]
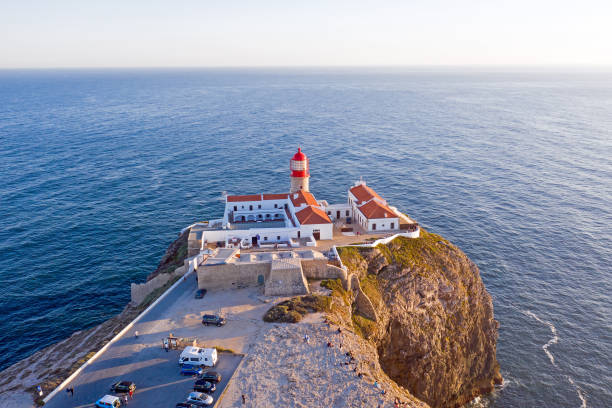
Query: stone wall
[315, 268]
[232, 275]
[139, 291]
[286, 278]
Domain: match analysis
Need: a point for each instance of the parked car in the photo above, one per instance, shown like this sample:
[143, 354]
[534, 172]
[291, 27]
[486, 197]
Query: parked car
[211, 376]
[123, 386]
[186, 405]
[108, 401]
[204, 386]
[200, 399]
[200, 293]
[188, 369]
[213, 319]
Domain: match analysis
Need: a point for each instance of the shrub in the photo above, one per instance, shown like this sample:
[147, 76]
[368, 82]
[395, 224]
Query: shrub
[294, 309]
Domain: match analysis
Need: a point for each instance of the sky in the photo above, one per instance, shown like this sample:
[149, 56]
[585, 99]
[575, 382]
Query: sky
[263, 33]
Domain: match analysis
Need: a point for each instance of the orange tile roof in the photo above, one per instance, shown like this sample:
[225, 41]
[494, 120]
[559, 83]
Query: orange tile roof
[374, 209]
[364, 193]
[312, 215]
[303, 197]
[252, 197]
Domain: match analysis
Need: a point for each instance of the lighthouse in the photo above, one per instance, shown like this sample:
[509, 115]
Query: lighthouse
[300, 173]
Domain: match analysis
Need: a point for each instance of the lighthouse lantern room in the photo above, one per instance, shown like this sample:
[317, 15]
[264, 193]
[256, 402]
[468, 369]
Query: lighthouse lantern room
[300, 173]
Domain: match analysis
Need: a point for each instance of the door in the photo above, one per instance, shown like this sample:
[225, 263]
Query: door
[254, 241]
[316, 234]
[338, 214]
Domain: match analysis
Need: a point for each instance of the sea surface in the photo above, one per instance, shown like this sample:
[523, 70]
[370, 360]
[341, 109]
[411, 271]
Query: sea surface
[100, 170]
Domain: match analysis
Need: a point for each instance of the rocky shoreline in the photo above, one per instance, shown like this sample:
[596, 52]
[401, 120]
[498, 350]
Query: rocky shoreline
[427, 326]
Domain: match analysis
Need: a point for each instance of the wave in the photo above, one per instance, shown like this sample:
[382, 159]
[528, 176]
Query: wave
[554, 340]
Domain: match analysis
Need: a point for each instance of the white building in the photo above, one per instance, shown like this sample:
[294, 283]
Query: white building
[371, 211]
[297, 218]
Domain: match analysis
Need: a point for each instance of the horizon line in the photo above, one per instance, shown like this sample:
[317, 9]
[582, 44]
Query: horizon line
[255, 67]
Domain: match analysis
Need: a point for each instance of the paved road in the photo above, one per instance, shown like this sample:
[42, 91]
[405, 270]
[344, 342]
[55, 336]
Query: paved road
[142, 360]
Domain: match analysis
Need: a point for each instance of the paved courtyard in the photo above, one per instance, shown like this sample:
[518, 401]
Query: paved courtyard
[155, 371]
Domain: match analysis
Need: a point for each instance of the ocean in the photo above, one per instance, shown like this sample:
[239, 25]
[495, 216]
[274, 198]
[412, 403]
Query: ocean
[101, 169]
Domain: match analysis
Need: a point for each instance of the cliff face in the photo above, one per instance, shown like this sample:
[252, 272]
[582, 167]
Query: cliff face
[434, 330]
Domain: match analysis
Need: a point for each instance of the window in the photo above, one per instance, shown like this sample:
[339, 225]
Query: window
[347, 213]
[251, 207]
[329, 213]
[275, 205]
[235, 208]
[242, 206]
[259, 206]
[278, 237]
[259, 216]
[267, 215]
[392, 225]
[373, 226]
[265, 238]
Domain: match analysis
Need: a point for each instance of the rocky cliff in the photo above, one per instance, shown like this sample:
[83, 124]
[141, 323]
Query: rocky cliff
[433, 327]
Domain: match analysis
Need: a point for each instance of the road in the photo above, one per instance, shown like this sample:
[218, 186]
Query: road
[155, 371]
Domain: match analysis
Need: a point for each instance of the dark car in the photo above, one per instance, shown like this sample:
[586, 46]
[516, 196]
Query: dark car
[123, 386]
[200, 293]
[213, 319]
[186, 405]
[204, 386]
[188, 369]
[211, 376]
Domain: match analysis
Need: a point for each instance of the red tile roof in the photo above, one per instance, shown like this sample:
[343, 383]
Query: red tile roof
[302, 197]
[364, 193]
[312, 215]
[252, 197]
[256, 197]
[275, 196]
[374, 209]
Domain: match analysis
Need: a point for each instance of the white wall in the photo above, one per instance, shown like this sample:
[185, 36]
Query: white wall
[270, 233]
[326, 230]
[383, 224]
[332, 209]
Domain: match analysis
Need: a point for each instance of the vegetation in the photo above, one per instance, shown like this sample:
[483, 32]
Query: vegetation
[371, 287]
[224, 350]
[364, 327]
[408, 252]
[294, 309]
[351, 257]
[335, 285]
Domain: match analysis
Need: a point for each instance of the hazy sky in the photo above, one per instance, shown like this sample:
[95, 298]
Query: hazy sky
[132, 33]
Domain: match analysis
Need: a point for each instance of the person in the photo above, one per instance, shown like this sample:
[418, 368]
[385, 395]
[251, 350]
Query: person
[125, 400]
[243, 399]
[136, 334]
[166, 346]
[131, 392]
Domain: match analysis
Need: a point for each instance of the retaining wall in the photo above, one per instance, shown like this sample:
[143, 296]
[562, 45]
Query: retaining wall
[139, 291]
[362, 302]
[225, 276]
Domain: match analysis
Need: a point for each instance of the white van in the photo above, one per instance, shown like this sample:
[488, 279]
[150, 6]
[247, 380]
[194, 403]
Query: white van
[198, 356]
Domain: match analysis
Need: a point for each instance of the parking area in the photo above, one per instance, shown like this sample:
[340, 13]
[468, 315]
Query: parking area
[155, 371]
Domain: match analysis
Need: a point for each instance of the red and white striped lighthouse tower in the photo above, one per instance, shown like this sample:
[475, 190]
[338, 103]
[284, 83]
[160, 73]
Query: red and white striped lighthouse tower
[300, 172]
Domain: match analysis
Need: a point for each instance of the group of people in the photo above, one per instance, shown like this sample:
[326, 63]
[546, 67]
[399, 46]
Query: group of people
[124, 398]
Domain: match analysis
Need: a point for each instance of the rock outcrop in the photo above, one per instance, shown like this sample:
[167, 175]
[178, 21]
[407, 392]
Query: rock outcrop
[435, 332]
